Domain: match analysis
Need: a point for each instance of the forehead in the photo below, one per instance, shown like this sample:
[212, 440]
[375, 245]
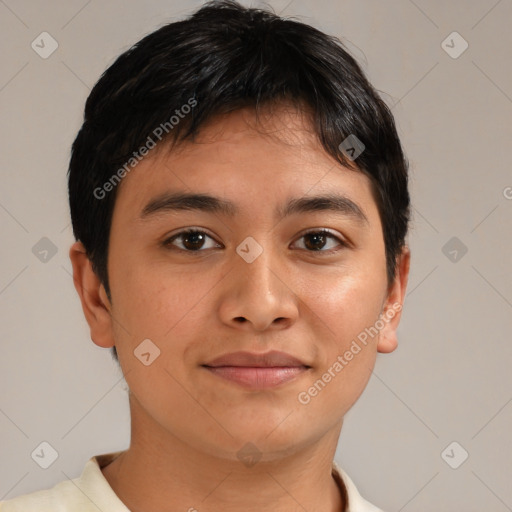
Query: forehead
[251, 159]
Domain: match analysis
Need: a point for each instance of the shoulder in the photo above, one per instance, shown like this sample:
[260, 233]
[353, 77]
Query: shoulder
[356, 503]
[87, 493]
[60, 497]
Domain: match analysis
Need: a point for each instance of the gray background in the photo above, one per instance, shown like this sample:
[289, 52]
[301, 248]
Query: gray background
[450, 378]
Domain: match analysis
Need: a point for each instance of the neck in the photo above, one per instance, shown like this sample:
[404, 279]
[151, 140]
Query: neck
[161, 472]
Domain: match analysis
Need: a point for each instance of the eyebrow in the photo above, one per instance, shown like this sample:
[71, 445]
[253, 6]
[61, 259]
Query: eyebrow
[169, 202]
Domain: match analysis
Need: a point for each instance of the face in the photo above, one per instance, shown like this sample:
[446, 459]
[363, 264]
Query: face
[284, 273]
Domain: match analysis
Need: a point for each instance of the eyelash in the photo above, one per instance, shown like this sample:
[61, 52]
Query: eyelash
[168, 242]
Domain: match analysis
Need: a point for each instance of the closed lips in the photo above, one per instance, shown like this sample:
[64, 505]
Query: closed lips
[272, 359]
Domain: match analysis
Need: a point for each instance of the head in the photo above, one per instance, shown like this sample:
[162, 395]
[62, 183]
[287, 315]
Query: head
[262, 114]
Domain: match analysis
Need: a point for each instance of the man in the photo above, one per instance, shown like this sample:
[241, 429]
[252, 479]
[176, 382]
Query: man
[239, 199]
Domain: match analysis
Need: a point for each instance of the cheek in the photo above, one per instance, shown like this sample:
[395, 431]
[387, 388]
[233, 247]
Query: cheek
[345, 305]
[153, 303]
[345, 313]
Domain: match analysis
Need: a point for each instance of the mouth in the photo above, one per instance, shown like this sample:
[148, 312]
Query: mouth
[257, 371]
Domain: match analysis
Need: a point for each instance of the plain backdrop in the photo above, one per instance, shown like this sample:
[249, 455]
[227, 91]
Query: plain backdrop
[444, 394]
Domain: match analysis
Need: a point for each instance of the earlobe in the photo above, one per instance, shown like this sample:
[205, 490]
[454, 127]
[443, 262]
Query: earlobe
[387, 344]
[392, 309]
[95, 303]
[388, 340]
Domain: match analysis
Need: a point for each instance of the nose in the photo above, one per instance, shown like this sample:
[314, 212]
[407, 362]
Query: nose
[258, 296]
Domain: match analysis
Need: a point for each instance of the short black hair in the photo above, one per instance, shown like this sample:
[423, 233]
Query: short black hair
[222, 58]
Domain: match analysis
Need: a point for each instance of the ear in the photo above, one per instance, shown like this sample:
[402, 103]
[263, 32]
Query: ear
[392, 308]
[95, 303]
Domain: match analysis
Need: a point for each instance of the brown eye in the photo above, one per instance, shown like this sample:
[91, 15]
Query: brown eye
[316, 241]
[192, 240]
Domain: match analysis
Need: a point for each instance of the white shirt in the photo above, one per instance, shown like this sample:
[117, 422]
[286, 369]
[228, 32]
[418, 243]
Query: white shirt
[91, 492]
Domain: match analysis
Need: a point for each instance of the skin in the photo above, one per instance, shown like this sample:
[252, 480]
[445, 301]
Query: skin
[187, 424]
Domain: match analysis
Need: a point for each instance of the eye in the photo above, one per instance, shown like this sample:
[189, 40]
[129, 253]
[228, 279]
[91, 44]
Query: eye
[192, 240]
[316, 241]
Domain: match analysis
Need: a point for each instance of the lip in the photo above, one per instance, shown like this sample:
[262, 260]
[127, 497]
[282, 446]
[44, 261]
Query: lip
[270, 359]
[257, 378]
[257, 371]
